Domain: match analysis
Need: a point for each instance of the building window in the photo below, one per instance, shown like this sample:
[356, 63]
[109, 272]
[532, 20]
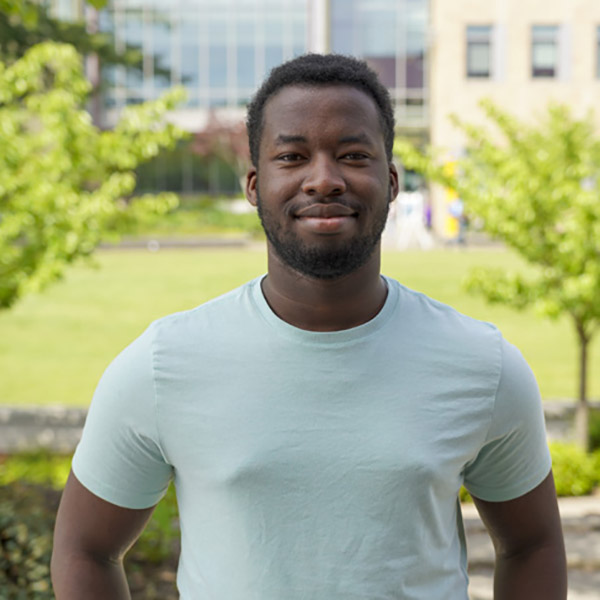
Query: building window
[544, 50]
[479, 51]
[391, 36]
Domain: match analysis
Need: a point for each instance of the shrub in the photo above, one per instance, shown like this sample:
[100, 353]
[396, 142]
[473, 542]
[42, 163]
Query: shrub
[575, 472]
[29, 496]
[26, 522]
[41, 467]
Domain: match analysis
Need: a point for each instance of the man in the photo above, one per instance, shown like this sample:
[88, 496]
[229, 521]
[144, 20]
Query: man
[317, 422]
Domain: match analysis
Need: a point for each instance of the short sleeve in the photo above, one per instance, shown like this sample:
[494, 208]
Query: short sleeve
[119, 457]
[514, 458]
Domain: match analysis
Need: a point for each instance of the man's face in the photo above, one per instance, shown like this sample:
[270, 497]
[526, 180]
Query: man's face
[323, 183]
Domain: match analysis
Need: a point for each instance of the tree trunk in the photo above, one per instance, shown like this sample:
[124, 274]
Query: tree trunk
[582, 428]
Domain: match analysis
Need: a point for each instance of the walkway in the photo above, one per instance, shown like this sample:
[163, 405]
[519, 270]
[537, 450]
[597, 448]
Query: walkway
[581, 526]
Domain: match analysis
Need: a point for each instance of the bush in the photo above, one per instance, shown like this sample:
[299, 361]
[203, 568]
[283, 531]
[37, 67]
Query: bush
[30, 485]
[575, 472]
[26, 522]
[39, 467]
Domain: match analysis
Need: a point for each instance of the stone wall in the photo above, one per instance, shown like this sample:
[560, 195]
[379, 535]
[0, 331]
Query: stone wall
[59, 428]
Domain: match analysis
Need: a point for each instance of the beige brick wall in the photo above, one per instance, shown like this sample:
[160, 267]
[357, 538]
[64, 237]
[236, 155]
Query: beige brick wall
[452, 92]
[515, 90]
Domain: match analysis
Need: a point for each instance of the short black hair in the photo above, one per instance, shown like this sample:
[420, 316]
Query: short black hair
[317, 70]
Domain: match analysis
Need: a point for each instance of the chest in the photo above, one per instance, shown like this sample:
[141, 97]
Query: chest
[369, 427]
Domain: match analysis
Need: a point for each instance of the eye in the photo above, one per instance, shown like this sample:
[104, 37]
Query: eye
[355, 156]
[289, 157]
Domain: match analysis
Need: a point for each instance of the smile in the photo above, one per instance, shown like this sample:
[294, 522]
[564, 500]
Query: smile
[332, 210]
[328, 219]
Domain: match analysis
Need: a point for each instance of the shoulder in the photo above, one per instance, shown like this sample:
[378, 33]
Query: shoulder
[518, 396]
[443, 323]
[178, 333]
[221, 312]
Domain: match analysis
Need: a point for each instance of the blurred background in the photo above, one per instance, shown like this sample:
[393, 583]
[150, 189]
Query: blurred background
[123, 153]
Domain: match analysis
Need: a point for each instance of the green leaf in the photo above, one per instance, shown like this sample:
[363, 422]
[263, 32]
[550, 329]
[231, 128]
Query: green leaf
[64, 184]
[535, 187]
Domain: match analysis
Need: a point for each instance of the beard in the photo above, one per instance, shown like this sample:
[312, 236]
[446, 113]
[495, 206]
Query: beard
[328, 260]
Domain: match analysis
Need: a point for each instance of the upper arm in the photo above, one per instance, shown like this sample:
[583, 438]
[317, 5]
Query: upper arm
[525, 523]
[514, 457]
[87, 525]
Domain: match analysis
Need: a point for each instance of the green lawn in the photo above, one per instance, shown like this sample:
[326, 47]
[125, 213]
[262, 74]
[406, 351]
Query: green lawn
[54, 346]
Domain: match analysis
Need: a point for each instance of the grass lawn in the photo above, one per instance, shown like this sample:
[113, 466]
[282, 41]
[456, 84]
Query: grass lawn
[54, 346]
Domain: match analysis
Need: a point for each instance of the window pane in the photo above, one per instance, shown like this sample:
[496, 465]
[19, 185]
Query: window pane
[299, 34]
[479, 60]
[246, 33]
[415, 60]
[273, 57]
[385, 67]
[133, 37]
[544, 56]
[479, 50]
[190, 50]
[245, 66]
[544, 50]
[161, 42]
[548, 33]
[377, 39]
[218, 66]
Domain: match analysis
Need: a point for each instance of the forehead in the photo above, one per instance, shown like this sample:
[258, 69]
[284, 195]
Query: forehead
[322, 109]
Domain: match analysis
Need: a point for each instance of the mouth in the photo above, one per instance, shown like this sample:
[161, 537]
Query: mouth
[332, 210]
[326, 219]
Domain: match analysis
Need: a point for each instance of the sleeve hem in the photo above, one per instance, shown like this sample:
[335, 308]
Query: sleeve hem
[505, 494]
[118, 497]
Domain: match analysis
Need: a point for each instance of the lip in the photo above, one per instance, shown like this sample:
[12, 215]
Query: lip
[331, 210]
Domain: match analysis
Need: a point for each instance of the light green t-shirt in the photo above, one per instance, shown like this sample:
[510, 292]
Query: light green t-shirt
[316, 465]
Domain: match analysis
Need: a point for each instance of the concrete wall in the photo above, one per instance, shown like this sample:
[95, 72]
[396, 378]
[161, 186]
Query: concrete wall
[59, 428]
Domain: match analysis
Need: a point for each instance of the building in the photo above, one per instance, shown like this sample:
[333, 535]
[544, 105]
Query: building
[221, 51]
[521, 54]
[437, 57]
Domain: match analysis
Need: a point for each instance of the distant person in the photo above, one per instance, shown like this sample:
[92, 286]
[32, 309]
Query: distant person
[428, 216]
[319, 421]
[457, 210]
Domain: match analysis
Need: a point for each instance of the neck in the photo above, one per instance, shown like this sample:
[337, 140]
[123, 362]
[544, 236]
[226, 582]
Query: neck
[325, 304]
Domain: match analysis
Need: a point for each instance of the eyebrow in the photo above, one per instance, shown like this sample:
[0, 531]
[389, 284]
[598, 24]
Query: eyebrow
[360, 138]
[282, 139]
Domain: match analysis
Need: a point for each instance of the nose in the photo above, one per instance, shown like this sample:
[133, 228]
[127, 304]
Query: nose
[324, 178]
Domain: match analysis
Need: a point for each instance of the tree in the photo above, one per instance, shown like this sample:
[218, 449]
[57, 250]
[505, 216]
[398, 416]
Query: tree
[25, 23]
[63, 183]
[227, 141]
[536, 188]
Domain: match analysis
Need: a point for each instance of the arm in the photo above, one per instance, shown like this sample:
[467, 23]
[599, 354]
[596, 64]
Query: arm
[91, 537]
[527, 537]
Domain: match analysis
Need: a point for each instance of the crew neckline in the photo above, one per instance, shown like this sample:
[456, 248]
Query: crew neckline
[325, 337]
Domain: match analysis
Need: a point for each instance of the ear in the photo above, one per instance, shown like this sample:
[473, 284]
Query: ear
[251, 183]
[394, 183]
